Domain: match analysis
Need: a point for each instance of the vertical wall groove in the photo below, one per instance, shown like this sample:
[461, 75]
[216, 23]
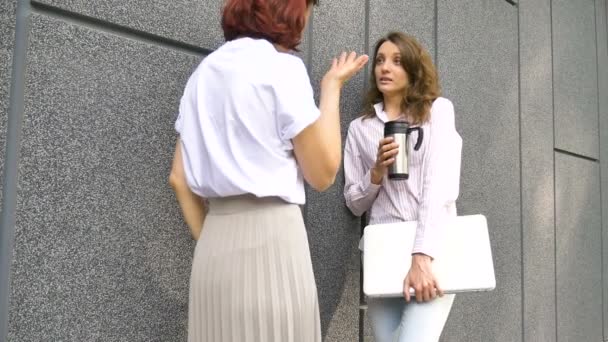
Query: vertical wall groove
[599, 141]
[366, 44]
[554, 168]
[521, 195]
[366, 50]
[435, 38]
[602, 161]
[11, 158]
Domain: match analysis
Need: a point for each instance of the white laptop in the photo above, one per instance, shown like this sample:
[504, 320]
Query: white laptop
[464, 265]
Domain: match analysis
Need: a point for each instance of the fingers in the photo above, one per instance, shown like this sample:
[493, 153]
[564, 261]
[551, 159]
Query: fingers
[361, 61]
[406, 289]
[342, 59]
[385, 141]
[439, 289]
[387, 150]
[352, 62]
[424, 290]
[351, 57]
[387, 158]
[387, 144]
[346, 65]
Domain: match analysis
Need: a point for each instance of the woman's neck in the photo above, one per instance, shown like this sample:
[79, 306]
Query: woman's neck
[392, 106]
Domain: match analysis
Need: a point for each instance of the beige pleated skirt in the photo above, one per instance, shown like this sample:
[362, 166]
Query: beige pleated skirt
[252, 277]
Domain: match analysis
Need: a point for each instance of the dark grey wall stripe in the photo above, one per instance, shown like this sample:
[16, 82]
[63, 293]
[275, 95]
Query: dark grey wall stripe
[435, 36]
[366, 70]
[521, 183]
[13, 142]
[555, 237]
[120, 30]
[599, 142]
[310, 44]
[308, 61]
[366, 43]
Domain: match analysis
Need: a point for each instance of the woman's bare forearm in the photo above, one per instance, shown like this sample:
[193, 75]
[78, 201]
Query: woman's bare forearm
[193, 206]
[193, 209]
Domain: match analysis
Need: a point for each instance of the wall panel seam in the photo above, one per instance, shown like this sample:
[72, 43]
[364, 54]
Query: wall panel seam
[117, 29]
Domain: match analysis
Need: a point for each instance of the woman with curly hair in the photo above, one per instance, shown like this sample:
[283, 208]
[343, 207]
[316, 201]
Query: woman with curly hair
[404, 86]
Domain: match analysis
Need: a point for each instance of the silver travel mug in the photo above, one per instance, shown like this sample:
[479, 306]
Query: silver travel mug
[400, 131]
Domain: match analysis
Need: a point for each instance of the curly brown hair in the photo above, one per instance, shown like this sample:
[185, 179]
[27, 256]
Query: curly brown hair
[423, 82]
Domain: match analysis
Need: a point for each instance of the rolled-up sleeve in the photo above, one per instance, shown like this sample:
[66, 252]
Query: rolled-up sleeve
[359, 191]
[441, 179]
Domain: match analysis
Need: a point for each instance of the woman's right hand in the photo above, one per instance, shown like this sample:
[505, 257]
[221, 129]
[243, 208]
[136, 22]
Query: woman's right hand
[345, 67]
[387, 150]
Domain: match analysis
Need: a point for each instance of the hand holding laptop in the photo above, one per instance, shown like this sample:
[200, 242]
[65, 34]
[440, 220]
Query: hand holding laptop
[421, 278]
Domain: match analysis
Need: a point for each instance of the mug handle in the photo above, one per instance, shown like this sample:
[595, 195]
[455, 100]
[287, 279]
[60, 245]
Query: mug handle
[420, 136]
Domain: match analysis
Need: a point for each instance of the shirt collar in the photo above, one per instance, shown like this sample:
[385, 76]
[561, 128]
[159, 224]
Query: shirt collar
[380, 113]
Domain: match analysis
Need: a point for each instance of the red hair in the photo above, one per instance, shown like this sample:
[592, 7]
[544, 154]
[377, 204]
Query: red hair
[278, 21]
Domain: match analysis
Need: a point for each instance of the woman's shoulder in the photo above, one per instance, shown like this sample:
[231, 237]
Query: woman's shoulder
[442, 111]
[358, 124]
[442, 103]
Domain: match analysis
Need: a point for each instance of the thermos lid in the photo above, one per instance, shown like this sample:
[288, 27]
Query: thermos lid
[396, 127]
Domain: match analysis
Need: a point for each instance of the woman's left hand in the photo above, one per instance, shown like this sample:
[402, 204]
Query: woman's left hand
[422, 280]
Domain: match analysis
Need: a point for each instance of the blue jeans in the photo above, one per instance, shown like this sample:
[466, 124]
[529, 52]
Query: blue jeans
[395, 320]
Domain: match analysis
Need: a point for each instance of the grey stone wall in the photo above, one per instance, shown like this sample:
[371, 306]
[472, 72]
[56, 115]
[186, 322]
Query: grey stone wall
[601, 11]
[7, 39]
[8, 14]
[100, 249]
[537, 169]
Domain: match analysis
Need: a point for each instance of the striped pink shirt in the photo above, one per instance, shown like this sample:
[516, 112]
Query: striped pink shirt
[430, 193]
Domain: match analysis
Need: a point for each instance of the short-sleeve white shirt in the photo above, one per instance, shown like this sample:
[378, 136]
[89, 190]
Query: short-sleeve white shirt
[240, 109]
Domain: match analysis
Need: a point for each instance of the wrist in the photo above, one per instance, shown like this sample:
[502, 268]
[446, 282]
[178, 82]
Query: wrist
[376, 176]
[331, 82]
[420, 259]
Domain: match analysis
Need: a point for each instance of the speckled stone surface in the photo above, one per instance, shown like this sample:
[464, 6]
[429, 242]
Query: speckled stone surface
[538, 198]
[333, 231]
[101, 251]
[344, 323]
[478, 65]
[575, 77]
[415, 17]
[578, 250]
[189, 21]
[7, 41]
[602, 44]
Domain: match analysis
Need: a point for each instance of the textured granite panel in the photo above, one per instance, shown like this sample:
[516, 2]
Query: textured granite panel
[344, 325]
[190, 21]
[7, 41]
[602, 45]
[101, 251]
[575, 77]
[537, 171]
[415, 17]
[333, 231]
[478, 59]
[368, 334]
[578, 249]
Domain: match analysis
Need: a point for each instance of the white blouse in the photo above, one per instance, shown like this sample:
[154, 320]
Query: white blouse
[240, 109]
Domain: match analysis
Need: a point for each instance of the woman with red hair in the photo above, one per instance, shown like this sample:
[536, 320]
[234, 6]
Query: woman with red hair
[250, 134]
